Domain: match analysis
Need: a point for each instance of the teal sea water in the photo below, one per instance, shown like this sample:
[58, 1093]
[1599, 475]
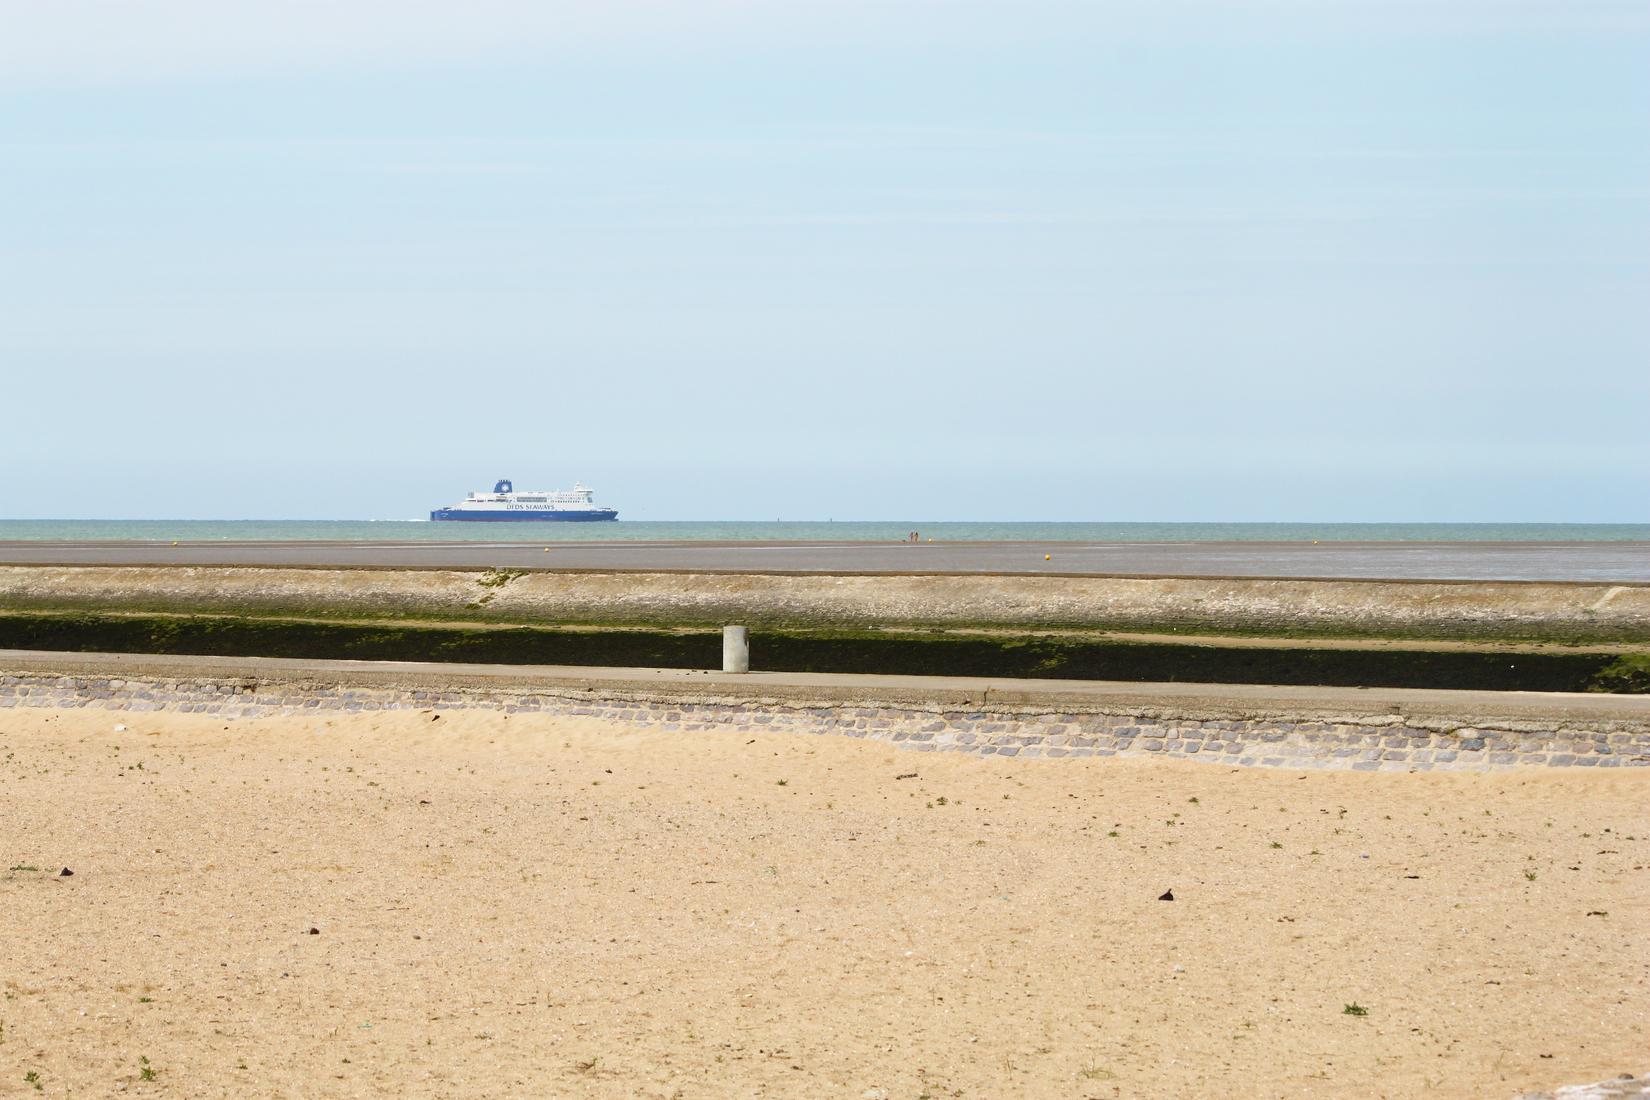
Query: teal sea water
[804, 531]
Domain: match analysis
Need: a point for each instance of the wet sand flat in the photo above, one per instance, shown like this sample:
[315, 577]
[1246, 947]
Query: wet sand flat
[527, 906]
[1627, 562]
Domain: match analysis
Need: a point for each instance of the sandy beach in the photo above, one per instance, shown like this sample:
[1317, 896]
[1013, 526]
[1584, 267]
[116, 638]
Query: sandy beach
[471, 904]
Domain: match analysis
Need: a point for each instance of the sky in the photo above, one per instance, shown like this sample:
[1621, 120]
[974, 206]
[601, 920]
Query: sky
[1309, 260]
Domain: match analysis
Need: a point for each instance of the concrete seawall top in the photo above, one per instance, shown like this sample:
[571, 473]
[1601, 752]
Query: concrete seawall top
[1199, 702]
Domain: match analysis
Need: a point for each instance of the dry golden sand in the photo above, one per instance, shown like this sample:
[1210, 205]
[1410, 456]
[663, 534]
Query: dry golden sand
[530, 906]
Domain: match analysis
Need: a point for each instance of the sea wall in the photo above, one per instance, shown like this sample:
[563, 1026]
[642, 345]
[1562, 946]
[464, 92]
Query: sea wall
[1013, 730]
[1499, 610]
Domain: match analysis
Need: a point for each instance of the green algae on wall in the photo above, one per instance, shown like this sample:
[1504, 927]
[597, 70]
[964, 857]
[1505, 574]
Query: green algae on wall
[800, 650]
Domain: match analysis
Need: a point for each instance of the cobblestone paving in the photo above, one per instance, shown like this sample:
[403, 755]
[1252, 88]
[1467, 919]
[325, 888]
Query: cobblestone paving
[1625, 1087]
[1007, 731]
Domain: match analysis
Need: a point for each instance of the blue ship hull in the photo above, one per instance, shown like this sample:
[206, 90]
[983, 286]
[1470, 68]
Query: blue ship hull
[464, 516]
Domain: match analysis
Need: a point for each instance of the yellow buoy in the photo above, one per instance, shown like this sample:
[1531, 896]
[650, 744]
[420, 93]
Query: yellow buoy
[1048, 557]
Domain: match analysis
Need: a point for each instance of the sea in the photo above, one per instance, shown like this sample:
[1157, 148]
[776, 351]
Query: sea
[258, 530]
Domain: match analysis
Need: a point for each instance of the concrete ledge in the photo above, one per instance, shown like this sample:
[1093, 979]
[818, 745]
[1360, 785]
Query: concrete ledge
[1460, 708]
[1268, 726]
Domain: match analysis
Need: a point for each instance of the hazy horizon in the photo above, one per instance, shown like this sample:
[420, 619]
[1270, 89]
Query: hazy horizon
[553, 530]
[1280, 261]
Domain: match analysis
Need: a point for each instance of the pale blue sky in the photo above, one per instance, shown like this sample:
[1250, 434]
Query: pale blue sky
[1293, 260]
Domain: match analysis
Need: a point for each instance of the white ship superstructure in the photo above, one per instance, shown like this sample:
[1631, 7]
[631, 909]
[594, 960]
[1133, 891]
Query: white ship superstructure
[504, 503]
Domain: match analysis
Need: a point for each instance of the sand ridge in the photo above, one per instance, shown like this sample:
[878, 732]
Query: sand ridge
[533, 906]
[1612, 608]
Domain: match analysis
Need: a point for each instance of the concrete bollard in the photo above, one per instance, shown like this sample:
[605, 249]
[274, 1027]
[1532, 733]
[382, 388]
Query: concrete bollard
[736, 649]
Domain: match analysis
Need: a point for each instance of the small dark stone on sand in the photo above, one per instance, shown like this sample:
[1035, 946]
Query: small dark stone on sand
[1167, 895]
[65, 873]
[315, 931]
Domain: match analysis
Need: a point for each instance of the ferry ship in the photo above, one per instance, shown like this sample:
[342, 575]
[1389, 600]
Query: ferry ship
[505, 504]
